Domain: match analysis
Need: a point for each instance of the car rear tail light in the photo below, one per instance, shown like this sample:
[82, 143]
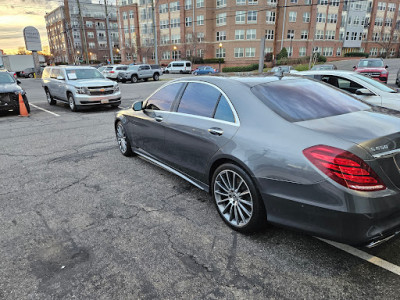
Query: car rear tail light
[111, 72]
[345, 168]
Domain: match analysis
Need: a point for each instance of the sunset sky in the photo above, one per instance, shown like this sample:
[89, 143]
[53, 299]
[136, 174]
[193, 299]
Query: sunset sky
[15, 15]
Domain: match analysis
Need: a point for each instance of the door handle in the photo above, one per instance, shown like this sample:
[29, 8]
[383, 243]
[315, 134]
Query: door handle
[158, 118]
[215, 131]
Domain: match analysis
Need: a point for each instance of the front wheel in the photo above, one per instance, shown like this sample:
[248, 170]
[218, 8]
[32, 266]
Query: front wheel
[50, 98]
[237, 199]
[134, 79]
[156, 77]
[71, 103]
[122, 139]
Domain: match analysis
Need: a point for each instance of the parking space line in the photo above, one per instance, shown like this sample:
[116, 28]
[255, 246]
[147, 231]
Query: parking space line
[365, 256]
[50, 112]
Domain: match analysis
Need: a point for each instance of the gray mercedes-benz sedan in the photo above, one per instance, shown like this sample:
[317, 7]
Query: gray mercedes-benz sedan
[288, 150]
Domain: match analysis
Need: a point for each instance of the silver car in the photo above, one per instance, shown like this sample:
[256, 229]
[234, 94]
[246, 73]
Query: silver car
[79, 86]
[112, 72]
[362, 87]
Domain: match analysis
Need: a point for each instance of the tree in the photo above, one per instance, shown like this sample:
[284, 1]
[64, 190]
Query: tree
[22, 51]
[388, 40]
[282, 54]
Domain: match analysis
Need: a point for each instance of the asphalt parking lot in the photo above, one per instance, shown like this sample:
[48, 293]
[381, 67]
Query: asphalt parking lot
[79, 220]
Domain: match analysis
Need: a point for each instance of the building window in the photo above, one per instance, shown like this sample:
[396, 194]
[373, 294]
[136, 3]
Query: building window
[354, 36]
[388, 22]
[306, 17]
[381, 5]
[253, 2]
[290, 51]
[378, 21]
[269, 34]
[251, 34]
[89, 24]
[176, 55]
[187, 53]
[319, 34]
[221, 19]
[166, 55]
[307, 2]
[338, 51]
[239, 34]
[221, 35]
[220, 52]
[199, 3]
[321, 18]
[239, 52]
[200, 20]
[188, 37]
[90, 35]
[221, 3]
[373, 51]
[200, 37]
[174, 6]
[200, 52]
[391, 7]
[175, 38]
[188, 4]
[322, 2]
[250, 52]
[334, 2]
[272, 2]
[293, 1]
[332, 18]
[240, 17]
[92, 45]
[164, 24]
[328, 51]
[270, 17]
[330, 34]
[290, 34]
[188, 21]
[131, 14]
[304, 34]
[252, 16]
[240, 2]
[175, 23]
[163, 8]
[356, 20]
[302, 51]
[292, 16]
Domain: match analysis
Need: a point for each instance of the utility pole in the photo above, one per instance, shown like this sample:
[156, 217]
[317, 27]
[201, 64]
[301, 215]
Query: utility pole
[261, 60]
[155, 32]
[83, 33]
[108, 34]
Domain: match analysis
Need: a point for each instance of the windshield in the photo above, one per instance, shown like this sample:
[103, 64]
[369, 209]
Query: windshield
[303, 99]
[5, 77]
[375, 83]
[84, 74]
[370, 64]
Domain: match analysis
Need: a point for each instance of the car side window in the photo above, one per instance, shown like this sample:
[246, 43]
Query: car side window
[54, 73]
[348, 85]
[199, 99]
[224, 111]
[46, 73]
[163, 99]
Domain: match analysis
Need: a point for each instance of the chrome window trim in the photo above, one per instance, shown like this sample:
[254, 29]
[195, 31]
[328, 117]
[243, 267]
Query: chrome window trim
[386, 153]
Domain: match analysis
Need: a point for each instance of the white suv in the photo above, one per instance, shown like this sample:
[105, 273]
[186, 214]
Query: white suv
[79, 86]
[112, 72]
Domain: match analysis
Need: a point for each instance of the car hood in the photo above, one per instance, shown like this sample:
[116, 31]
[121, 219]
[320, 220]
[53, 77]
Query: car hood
[373, 130]
[370, 70]
[10, 88]
[92, 82]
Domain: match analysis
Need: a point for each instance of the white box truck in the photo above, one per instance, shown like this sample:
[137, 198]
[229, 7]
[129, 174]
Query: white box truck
[17, 63]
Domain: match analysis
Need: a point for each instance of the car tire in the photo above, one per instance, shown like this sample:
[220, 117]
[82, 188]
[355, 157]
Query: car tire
[397, 82]
[166, 72]
[156, 77]
[145, 79]
[71, 103]
[122, 139]
[50, 98]
[30, 75]
[28, 107]
[181, 72]
[134, 79]
[195, 74]
[237, 199]
[123, 80]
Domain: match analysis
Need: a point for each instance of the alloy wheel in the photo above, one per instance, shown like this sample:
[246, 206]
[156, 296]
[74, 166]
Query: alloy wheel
[233, 198]
[121, 138]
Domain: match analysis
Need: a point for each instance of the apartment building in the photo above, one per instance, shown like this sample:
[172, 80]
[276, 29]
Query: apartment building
[77, 32]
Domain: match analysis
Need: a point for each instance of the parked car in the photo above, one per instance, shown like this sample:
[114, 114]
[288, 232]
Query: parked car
[79, 87]
[362, 87]
[317, 159]
[9, 93]
[143, 71]
[324, 67]
[28, 73]
[201, 70]
[111, 72]
[374, 68]
[285, 69]
[181, 67]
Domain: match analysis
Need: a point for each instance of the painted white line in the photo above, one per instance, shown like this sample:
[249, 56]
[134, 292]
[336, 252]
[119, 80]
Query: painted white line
[365, 256]
[50, 112]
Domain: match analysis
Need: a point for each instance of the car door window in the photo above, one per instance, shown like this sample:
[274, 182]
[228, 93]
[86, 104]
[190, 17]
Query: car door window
[348, 85]
[54, 73]
[224, 111]
[163, 99]
[199, 99]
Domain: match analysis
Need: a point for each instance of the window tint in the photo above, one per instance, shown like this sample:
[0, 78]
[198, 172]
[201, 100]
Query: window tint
[188, 64]
[303, 99]
[199, 99]
[224, 111]
[162, 100]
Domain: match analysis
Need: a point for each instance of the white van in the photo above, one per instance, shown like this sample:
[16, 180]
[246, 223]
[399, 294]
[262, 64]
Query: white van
[183, 66]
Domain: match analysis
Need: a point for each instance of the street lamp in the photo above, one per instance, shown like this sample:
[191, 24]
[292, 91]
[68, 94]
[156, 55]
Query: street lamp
[219, 61]
[175, 52]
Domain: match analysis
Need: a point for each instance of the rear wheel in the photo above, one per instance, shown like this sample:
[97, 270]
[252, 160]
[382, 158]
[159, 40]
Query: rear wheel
[134, 79]
[50, 98]
[71, 103]
[122, 139]
[237, 199]
[181, 72]
[156, 77]
[30, 75]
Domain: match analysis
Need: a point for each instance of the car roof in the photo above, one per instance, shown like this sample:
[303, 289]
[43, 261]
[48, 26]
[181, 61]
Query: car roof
[67, 67]
[327, 72]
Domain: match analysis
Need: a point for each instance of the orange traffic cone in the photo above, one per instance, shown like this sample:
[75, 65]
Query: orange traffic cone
[23, 112]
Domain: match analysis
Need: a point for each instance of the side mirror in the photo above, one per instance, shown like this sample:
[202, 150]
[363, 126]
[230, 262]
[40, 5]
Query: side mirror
[137, 106]
[364, 92]
[60, 78]
[18, 81]
[386, 66]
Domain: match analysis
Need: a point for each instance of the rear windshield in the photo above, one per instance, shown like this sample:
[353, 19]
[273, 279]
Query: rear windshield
[84, 74]
[303, 99]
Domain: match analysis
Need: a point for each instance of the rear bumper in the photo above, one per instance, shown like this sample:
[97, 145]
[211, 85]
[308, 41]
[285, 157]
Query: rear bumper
[321, 210]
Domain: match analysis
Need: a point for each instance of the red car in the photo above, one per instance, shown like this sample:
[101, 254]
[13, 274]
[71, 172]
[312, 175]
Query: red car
[374, 68]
